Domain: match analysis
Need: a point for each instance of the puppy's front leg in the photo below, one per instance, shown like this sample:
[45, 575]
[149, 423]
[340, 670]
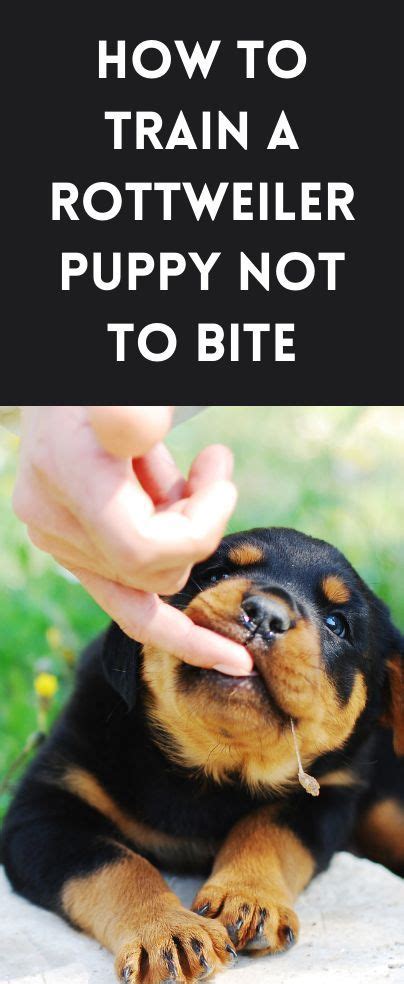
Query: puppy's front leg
[258, 873]
[270, 856]
[128, 907]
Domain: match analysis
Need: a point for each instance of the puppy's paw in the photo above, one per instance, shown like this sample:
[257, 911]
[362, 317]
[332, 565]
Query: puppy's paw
[174, 945]
[256, 921]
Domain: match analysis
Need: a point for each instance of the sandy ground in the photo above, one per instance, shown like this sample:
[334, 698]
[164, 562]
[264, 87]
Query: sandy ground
[352, 930]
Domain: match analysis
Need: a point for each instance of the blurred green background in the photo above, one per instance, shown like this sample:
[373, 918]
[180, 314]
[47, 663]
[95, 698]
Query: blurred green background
[334, 472]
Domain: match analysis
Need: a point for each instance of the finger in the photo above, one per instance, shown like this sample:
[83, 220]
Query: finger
[130, 543]
[131, 534]
[121, 520]
[130, 432]
[194, 533]
[212, 464]
[163, 481]
[209, 510]
[147, 619]
[159, 476]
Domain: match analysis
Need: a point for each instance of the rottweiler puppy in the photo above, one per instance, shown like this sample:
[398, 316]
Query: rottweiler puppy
[155, 763]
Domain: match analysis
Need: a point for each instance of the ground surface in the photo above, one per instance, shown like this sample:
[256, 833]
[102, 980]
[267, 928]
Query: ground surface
[352, 930]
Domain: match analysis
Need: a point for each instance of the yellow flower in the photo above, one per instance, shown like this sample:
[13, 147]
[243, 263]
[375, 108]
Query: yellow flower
[46, 685]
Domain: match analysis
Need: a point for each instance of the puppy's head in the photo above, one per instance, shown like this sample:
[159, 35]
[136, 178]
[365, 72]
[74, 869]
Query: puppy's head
[325, 654]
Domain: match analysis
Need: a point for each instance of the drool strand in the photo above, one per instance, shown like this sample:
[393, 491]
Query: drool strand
[309, 783]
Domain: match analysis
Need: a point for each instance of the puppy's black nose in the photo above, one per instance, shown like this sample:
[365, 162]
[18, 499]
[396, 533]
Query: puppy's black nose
[269, 616]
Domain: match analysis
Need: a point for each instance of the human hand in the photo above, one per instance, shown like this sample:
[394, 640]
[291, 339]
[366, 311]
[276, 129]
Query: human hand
[102, 495]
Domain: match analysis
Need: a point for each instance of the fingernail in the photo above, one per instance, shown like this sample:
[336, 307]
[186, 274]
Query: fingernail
[236, 670]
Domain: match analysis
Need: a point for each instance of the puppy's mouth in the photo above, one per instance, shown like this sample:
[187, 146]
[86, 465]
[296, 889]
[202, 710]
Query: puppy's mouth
[254, 687]
[248, 691]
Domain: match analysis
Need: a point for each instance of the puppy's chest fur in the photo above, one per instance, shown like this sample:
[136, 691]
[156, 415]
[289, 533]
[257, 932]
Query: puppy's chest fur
[172, 815]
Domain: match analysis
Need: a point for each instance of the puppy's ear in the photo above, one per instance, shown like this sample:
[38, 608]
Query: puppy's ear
[394, 714]
[120, 660]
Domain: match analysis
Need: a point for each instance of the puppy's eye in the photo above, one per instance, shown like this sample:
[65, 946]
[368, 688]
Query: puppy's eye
[217, 576]
[337, 624]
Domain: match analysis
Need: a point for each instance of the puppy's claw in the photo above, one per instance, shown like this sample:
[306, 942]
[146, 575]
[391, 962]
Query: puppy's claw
[289, 936]
[169, 961]
[203, 910]
[232, 952]
[206, 968]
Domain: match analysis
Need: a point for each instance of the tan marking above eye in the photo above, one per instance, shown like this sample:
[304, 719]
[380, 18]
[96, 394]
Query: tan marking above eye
[246, 553]
[335, 589]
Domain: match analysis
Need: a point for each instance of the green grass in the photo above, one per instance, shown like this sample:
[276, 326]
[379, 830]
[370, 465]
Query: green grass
[334, 472]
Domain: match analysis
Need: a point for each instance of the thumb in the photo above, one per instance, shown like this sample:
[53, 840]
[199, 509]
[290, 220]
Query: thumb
[129, 432]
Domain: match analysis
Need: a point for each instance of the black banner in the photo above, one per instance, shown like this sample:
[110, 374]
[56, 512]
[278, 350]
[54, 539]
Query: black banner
[119, 280]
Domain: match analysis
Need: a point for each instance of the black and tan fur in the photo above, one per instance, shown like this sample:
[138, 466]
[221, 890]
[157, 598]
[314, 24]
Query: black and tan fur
[155, 763]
